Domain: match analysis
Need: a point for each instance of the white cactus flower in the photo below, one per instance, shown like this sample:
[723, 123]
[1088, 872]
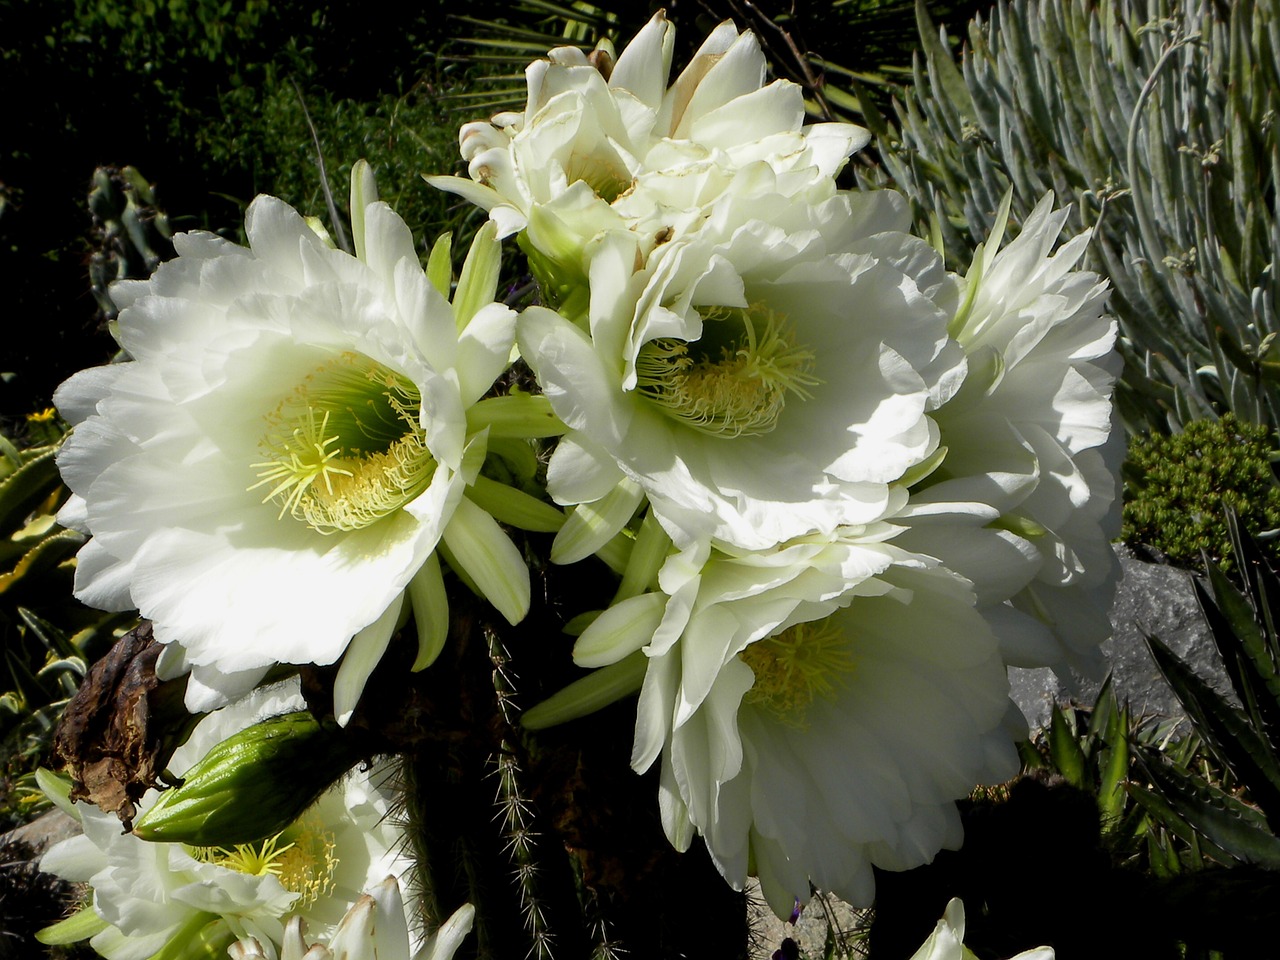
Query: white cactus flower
[603, 145]
[267, 478]
[152, 897]
[815, 709]
[1026, 502]
[768, 378]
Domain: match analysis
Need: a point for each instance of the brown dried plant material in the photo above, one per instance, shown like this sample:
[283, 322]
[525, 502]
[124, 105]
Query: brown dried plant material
[111, 739]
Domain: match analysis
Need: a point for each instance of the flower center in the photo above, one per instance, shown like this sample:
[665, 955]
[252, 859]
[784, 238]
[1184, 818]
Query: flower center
[608, 180]
[734, 381]
[794, 667]
[345, 448]
[301, 858]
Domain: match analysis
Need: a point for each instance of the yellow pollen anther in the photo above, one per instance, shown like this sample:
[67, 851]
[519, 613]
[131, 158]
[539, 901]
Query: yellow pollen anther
[306, 864]
[739, 389]
[793, 668]
[345, 448]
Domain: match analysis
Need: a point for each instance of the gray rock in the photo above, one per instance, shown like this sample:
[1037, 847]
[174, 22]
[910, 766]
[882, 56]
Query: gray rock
[43, 832]
[1153, 598]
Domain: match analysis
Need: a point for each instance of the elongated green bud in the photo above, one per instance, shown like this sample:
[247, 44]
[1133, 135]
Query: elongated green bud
[252, 785]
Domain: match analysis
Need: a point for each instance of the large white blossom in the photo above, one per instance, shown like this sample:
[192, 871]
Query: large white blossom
[767, 378]
[267, 478]
[815, 709]
[373, 929]
[151, 895]
[1026, 502]
[603, 145]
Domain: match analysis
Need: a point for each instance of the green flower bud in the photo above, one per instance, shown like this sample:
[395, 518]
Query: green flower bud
[252, 785]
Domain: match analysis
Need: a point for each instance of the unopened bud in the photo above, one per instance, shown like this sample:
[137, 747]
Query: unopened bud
[252, 785]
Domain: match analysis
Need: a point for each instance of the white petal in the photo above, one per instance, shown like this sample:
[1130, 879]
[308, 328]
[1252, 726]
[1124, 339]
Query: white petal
[487, 555]
[363, 653]
[621, 630]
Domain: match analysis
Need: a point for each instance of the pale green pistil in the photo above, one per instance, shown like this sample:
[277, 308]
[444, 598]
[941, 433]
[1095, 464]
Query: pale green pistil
[806, 661]
[345, 448]
[607, 180]
[733, 382]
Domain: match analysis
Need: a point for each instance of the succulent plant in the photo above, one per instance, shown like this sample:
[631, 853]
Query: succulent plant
[1177, 488]
[48, 638]
[1157, 119]
[1237, 820]
[131, 235]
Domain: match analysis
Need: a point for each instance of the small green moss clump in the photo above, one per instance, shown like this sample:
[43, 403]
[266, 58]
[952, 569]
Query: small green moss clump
[1177, 488]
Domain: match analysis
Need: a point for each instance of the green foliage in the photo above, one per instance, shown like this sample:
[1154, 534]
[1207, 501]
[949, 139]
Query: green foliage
[1232, 825]
[265, 131]
[835, 51]
[131, 235]
[1157, 119]
[1178, 488]
[201, 95]
[48, 639]
[1091, 749]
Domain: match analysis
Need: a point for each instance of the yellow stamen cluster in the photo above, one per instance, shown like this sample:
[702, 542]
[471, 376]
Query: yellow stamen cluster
[737, 390]
[305, 865]
[806, 661]
[345, 448]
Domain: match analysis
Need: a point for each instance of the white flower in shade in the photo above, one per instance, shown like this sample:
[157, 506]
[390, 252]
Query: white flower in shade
[763, 380]
[267, 478]
[152, 897]
[373, 929]
[815, 709]
[603, 145]
[947, 940]
[1026, 502]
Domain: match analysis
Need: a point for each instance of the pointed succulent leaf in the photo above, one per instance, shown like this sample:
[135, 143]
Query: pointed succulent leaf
[22, 490]
[1225, 729]
[1065, 752]
[1114, 769]
[40, 560]
[1240, 644]
[1231, 826]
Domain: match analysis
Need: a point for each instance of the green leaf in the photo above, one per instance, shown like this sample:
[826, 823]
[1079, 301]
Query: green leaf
[1065, 752]
[1225, 730]
[1115, 770]
[942, 65]
[22, 491]
[40, 559]
[1236, 829]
